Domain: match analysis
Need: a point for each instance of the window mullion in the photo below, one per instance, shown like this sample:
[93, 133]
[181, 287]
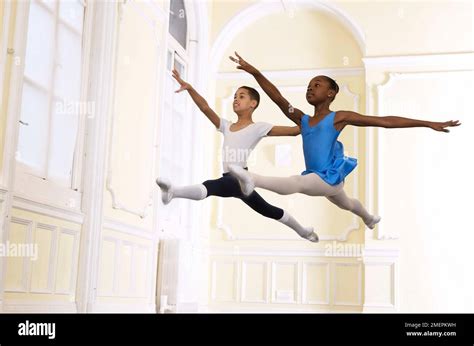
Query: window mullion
[51, 91]
[78, 147]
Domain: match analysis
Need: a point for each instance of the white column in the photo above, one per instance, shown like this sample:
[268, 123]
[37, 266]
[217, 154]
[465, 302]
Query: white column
[103, 50]
[12, 128]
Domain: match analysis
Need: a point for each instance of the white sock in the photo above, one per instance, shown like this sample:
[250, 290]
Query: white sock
[245, 180]
[304, 232]
[168, 192]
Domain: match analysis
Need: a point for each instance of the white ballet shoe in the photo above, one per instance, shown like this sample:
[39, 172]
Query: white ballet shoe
[166, 190]
[375, 220]
[245, 180]
[312, 236]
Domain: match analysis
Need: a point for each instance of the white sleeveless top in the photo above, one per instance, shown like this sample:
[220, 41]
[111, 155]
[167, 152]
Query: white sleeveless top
[238, 145]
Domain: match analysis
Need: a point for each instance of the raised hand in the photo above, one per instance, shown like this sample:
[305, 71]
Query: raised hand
[442, 126]
[242, 64]
[184, 85]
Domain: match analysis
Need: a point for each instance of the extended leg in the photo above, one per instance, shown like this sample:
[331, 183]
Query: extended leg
[168, 192]
[353, 205]
[309, 184]
[257, 203]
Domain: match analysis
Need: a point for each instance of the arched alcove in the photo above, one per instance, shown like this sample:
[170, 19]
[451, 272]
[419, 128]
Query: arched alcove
[292, 45]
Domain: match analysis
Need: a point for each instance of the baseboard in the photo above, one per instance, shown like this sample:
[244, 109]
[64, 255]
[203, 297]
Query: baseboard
[379, 309]
[278, 310]
[122, 308]
[22, 306]
[187, 307]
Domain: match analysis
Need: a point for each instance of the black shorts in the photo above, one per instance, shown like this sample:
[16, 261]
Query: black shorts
[228, 186]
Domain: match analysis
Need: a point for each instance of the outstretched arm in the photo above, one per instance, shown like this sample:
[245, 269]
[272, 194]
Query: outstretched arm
[344, 118]
[284, 131]
[292, 113]
[198, 99]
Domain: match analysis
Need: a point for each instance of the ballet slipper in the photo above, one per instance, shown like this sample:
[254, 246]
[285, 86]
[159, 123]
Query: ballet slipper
[166, 190]
[245, 180]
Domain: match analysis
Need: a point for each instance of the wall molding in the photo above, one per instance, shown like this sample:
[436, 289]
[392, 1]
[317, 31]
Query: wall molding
[132, 292]
[26, 269]
[393, 287]
[26, 203]
[295, 74]
[56, 232]
[252, 13]
[74, 261]
[382, 91]
[239, 260]
[393, 67]
[235, 296]
[100, 292]
[453, 61]
[243, 285]
[122, 308]
[129, 229]
[359, 284]
[268, 309]
[304, 293]
[52, 257]
[296, 284]
[261, 251]
[145, 207]
[27, 306]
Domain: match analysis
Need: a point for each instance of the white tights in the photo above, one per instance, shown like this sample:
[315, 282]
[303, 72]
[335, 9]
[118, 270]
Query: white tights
[312, 185]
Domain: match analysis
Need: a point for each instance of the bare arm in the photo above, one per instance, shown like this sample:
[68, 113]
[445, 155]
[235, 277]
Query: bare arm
[198, 100]
[284, 131]
[271, 90]
[344, 118]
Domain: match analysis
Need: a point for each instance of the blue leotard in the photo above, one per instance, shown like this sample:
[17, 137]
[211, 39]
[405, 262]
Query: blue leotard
[323, 154]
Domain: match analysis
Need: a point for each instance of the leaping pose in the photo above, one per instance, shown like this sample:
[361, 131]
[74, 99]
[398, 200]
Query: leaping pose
[239, 140]
[326, 165]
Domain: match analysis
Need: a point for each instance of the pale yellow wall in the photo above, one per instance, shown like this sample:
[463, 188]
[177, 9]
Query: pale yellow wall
[413, 27]
[136, 90]
[124, 269]
[420, 192]
[131, 166]
[268, 274]
[222, 12]
[264, 283]
[126, 261]
[57, 258]
[278, 42]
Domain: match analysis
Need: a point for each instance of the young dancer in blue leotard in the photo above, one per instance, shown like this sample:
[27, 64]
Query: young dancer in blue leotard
[326, 165]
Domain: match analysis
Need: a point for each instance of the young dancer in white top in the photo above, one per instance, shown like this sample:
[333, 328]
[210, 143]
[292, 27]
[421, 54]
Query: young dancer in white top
[240, 139]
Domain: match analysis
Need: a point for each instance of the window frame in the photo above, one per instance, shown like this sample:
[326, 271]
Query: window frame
[182, 228]
[27, 183]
